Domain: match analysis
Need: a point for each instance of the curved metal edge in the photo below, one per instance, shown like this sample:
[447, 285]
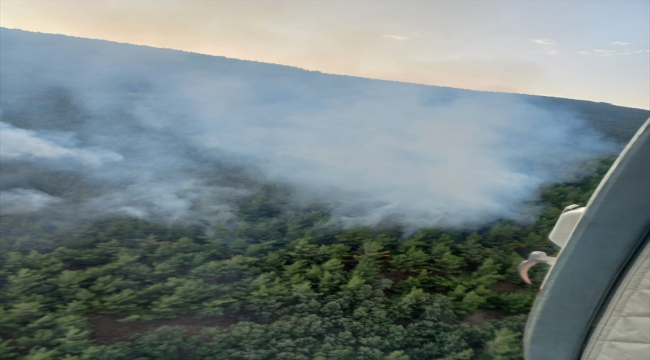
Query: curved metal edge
[621, 276]
[616, 221]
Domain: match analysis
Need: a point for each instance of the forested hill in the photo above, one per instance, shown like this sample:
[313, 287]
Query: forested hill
[157, 204]
[616, 122]
[93, 128]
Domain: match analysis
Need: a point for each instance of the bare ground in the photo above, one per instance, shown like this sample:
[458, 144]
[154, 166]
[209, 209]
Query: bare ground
[482, 317]
[107, 330]
[506, 287]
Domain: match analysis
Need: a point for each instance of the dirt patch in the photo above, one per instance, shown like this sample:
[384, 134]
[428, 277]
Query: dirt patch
[397, 276]
[107, 330]
[436, 291]
[505, 287]
[482, 317]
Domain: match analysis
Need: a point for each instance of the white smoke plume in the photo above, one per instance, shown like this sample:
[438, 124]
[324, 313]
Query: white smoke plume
[23, 201]
[164, 128]
[21, 144]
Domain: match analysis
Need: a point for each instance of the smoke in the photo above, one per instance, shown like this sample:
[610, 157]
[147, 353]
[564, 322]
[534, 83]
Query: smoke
[22, 201]
[21, 144]
[173, 136]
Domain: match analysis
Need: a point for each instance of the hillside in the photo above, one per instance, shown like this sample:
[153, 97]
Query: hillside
[616, 122]
[158, 204]
[279, 287]
[164, 135]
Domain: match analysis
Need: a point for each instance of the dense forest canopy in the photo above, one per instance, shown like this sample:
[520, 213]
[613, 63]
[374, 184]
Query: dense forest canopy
[164, 205]
[278, 287]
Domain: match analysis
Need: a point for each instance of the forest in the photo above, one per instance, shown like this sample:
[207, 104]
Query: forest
[158, 204]
[284, 285]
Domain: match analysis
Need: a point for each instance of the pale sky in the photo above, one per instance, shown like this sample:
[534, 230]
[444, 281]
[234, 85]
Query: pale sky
[591, 50]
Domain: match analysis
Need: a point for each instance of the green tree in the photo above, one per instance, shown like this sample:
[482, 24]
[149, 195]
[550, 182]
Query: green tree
[41, 353]
[413, 260]
[505, 346]
[397, 355]
[165, 343]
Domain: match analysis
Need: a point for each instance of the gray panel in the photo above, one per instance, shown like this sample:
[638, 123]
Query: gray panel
[611, 231]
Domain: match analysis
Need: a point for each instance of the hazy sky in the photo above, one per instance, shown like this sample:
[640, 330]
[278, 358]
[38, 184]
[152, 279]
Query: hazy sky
[593, 50]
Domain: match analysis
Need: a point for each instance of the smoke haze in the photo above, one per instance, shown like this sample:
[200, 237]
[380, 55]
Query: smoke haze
[173, 136]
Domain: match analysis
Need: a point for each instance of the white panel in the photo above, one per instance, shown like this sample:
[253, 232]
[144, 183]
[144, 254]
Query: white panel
[565, 226]
[623, 333]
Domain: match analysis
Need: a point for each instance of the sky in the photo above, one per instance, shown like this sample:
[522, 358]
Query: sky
[591, 50]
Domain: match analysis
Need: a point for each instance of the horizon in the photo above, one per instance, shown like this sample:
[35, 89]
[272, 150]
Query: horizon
[536, 48]
[325, 73]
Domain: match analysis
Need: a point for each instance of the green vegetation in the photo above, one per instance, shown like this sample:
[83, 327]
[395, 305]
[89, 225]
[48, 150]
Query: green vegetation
[281, 286]
[606, 118]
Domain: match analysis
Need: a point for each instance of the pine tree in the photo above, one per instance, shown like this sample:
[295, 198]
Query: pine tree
[505, 346]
